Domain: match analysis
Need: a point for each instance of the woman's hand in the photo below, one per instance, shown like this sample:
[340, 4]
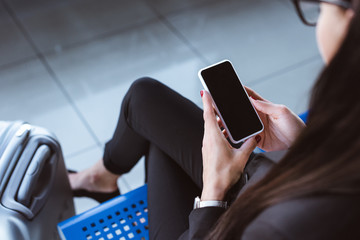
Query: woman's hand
[222, 164]
[281, 125]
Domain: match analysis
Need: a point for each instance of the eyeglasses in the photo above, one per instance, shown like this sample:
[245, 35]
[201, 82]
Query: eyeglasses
[309, 10]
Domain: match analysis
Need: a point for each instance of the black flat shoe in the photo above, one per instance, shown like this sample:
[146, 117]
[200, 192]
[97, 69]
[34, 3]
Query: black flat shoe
[98, 196]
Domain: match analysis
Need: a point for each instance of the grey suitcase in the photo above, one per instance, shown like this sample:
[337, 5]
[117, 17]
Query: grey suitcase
[35, 192]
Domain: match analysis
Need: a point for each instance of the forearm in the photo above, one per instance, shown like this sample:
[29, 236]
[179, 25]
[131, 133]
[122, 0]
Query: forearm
[201, 221]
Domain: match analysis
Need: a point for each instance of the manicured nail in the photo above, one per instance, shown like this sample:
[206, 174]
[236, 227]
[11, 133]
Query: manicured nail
[258, 138]
[202, 93]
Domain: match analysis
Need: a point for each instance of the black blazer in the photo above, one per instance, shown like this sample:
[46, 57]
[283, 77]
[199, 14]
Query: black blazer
[324, 217]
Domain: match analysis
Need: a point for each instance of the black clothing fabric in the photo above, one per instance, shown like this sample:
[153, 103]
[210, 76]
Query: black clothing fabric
[158, 123]
[326, 217]
[153, 114]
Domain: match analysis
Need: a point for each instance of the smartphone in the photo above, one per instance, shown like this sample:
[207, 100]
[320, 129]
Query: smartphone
[231, 101]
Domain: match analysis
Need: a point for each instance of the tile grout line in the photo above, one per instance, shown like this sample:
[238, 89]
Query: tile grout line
[51, 72]
[178, 34]
[94, 38]
[101, 36]
[182, 38]
[51, 52]
[284, 70]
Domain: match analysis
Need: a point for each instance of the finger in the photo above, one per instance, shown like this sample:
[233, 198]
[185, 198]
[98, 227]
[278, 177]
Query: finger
[266, 107]
[225, 133]
[209, 114]
[254, 94]
[220, 123]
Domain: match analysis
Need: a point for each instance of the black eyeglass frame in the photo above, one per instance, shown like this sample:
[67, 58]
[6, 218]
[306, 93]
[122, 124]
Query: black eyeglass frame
[340, 3]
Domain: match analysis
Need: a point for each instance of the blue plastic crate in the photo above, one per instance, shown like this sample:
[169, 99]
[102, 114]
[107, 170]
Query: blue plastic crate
[121, 218]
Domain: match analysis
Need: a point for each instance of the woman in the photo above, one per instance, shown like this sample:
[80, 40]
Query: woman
[307, 185]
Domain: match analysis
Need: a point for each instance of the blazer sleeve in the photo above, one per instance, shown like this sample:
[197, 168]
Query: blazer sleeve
[264, 231]
[201, 221]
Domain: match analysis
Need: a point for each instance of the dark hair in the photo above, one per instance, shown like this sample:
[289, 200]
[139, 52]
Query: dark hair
[325, 159]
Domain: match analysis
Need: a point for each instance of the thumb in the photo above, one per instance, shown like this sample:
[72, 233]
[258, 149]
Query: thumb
[243, 153]
[265, 107]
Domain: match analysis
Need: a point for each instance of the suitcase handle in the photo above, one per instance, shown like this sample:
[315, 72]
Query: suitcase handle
[30, 185]
[20, 136]
[28, 189]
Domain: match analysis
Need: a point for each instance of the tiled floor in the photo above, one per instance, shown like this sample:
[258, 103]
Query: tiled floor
[66, 65]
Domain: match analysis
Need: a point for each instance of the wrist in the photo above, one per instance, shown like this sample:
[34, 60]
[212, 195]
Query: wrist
[212, 194]
[201, 204]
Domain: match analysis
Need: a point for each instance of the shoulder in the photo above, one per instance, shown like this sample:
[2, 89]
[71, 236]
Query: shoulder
[326, 217]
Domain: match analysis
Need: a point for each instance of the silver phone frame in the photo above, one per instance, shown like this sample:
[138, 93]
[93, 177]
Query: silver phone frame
[217, 110]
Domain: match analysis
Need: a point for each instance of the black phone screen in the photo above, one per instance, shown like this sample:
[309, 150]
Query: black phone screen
[231, 100]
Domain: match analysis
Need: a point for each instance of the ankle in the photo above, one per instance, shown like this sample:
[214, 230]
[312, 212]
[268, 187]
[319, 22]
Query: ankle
[96, 178]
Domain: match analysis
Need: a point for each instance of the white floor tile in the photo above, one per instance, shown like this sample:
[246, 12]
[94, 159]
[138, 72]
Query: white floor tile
[83, 204]
[123, 185]
[28, 93]
[57, 24]
[291, 88]
[84, 159]
[97, 75]
[258, 36]
[13, 46]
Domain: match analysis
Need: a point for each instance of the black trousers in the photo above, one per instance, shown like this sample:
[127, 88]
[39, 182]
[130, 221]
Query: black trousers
[167, 128]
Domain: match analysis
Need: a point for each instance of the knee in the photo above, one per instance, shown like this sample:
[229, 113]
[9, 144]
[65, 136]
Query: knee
[145, 86]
